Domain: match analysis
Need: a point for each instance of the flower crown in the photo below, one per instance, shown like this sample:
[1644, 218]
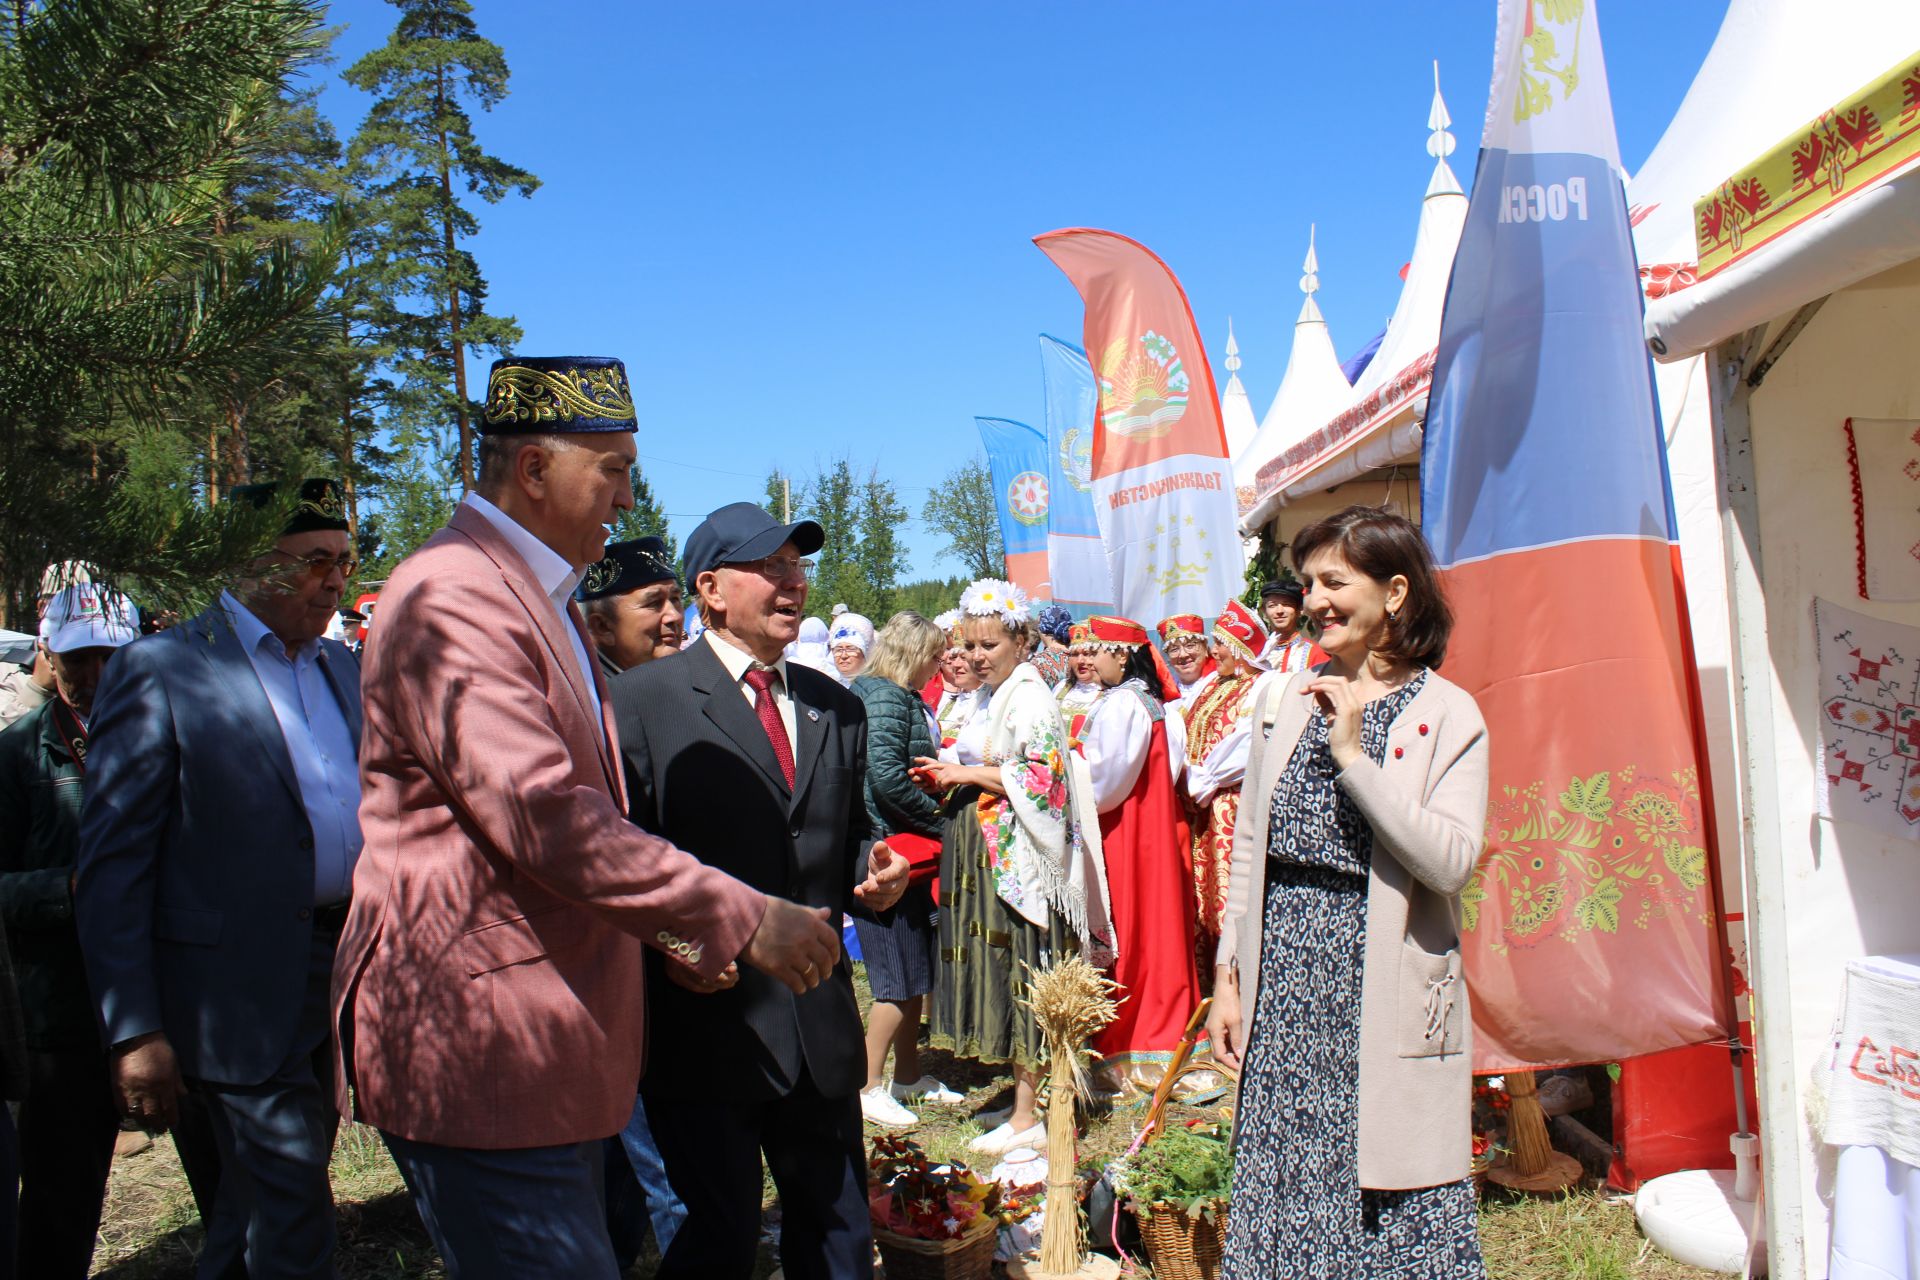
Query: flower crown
[995, 598]
[948, 620]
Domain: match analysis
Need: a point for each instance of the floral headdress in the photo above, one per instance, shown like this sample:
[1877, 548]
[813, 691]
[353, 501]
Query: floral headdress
[949, 621]
[995, 598]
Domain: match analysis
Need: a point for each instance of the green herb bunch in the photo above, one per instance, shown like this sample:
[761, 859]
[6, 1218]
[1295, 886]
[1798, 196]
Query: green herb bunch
[1188, 1168]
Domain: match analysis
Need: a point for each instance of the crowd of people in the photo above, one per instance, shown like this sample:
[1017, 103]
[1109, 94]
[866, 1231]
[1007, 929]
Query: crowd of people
[546, 883]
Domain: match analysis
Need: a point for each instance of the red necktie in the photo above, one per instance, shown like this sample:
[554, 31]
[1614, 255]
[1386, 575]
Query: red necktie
[762, 679]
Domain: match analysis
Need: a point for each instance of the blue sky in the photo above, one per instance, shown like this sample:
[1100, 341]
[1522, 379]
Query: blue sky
[807, 228]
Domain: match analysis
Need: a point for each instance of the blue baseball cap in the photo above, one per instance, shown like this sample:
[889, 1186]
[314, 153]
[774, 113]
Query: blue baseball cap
[741, 532]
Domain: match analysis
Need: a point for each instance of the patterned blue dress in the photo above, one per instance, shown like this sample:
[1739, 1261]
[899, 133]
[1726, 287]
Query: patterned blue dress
[1298, 1208]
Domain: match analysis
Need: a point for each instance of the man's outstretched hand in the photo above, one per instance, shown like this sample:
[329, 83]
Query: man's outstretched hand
[886, 878]
[794, 944]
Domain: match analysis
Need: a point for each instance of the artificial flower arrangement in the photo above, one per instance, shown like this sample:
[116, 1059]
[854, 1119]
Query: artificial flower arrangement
[912, 1196]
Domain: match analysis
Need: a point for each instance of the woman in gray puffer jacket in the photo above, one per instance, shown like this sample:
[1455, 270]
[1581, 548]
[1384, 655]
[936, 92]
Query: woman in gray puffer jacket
[899, 956]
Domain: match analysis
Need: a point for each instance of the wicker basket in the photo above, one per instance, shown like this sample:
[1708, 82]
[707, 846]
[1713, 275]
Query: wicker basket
[968, 1256]
[1180, 1247]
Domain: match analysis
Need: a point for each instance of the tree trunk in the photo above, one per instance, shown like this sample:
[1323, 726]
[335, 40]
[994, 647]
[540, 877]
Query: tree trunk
[456, 347]
[346, 422]
[213, 465]
[239, 470]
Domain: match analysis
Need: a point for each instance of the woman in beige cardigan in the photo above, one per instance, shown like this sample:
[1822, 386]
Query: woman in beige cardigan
[1338, 992]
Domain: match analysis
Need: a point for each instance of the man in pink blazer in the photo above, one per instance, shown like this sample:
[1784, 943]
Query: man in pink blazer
[489, 992]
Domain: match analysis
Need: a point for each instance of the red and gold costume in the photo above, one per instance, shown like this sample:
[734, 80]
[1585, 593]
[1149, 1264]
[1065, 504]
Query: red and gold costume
[1219, 735]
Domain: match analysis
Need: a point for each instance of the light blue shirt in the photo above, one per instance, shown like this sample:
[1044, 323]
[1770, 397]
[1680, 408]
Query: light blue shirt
[325, 764]
[555, 577]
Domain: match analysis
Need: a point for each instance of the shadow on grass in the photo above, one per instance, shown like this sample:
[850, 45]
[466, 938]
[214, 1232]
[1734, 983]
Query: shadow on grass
[379, 1239]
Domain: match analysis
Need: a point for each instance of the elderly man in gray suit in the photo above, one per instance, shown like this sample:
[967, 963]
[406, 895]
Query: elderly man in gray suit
[217, 847]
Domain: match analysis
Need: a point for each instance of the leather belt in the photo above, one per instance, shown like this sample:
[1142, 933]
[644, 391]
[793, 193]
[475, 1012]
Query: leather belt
[332, 917]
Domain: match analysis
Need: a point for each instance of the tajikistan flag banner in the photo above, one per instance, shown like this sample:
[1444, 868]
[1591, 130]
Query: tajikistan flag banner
[1162, 486]
[1589, 930]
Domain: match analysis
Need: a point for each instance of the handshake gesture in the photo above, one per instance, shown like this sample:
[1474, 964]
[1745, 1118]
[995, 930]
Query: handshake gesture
[798, 944]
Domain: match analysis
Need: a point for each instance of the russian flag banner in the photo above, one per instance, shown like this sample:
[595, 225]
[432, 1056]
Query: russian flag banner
[1589, 931]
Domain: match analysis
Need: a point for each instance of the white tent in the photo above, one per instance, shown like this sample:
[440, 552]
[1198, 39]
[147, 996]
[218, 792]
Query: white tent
[1311, 390]
[1795, 318]
[1377, 423]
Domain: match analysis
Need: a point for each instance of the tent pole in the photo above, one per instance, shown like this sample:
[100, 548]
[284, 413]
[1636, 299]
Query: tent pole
[1760, 842]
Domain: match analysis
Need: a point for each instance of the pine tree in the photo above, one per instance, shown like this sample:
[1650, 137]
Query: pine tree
[646, 518]
[833, 504]
[126, 298]
[962, 510]
[416, 146]
[882, 555]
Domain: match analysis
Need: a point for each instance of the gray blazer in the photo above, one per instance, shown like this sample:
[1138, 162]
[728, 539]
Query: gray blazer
[1427, 805]
[194, 894]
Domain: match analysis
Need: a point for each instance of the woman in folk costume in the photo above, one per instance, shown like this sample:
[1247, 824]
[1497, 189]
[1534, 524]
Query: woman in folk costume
[849, 645]
[1082, 689]
[1183, 638]
[1055, 625]
[1143, 835]
[958, 697]
[810, 649]
[1337, 992]
[1219, 733]
[1018, 888]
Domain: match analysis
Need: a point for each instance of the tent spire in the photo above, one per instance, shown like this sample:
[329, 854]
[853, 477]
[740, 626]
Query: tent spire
[1440, 143]
[1310, 280]
[1233, 349]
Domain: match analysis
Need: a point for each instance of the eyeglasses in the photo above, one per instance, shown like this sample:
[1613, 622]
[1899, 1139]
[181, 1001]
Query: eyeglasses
[777, 568]
[322, 566]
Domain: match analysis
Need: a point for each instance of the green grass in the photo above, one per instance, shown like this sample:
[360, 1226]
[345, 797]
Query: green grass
[151, 1232]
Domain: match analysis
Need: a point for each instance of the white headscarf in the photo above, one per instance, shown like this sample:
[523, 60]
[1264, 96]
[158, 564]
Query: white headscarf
[810, 650]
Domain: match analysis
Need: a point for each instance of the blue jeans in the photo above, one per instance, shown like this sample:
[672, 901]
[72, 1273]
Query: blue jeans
[647, 1194]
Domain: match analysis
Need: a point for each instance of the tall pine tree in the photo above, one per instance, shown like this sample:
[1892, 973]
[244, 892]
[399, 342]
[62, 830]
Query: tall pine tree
[127, 129]
[882, 554]
[418, 150]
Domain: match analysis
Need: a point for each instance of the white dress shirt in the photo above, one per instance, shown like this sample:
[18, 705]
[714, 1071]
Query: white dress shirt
[738, 662]
[555, 577]
[319, 743]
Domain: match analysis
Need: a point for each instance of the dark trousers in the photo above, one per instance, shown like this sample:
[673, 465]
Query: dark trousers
[532, 1213]
[9, 1183]
[274, 1208]
[67, 1126]
[814, 1150]
[199, 1152]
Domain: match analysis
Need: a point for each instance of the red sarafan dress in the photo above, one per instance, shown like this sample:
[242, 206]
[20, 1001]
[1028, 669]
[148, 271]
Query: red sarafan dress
[1143, 831]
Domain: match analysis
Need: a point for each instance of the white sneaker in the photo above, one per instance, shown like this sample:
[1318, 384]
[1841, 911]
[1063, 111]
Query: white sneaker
[1004, 1139]
[997, 1118]
[926, 1089]
[879, 1108]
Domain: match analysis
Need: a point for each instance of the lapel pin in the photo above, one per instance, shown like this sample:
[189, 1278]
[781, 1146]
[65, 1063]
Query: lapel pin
[813, 713]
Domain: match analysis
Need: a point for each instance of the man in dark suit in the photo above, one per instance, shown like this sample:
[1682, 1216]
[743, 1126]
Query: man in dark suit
[754, 766]
[217, 846]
